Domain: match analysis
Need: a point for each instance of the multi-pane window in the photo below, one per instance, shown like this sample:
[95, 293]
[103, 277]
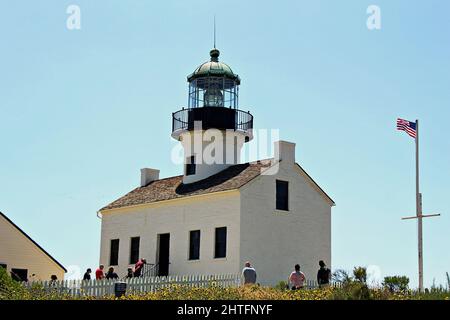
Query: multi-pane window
[114, 253]
[134, 250]
[194, 245]
[220, 249]
[282, 195]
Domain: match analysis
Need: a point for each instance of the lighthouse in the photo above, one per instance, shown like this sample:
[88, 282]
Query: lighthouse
[220, 212]
[212, 129]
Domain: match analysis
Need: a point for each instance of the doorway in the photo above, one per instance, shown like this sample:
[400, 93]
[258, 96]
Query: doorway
[163, 254]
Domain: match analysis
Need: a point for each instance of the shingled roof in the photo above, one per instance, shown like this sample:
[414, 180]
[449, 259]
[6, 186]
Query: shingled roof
[231, 178]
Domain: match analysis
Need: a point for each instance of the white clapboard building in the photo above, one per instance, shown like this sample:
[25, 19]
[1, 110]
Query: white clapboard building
[22, 257]
[220, 212]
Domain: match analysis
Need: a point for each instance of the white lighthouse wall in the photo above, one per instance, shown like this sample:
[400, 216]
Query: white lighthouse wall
[273, 240]
[211, 148]
[177, 217]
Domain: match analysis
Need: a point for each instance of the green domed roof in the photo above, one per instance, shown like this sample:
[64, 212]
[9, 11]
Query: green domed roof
[214, 68]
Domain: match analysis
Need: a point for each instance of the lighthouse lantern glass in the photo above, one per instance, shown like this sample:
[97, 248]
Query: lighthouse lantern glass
[213, 97]
[213, 92]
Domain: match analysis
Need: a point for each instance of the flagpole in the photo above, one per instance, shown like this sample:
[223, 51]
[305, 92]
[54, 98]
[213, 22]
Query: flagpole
[419, 212]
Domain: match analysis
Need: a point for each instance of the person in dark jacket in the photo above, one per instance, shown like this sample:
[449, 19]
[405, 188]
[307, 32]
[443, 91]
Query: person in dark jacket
[111, 274]
[249, 274]
[53, 280]
[323, 275]
[87, 274]
[129, 273]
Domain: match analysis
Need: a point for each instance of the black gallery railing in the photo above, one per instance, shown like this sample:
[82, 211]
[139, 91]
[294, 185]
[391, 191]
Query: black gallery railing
[212, 117]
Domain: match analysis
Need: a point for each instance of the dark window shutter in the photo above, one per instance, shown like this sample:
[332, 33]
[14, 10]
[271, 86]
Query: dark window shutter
[134, 250]
[221, 243]
[282, 195]
[194, 245]
[114, 253]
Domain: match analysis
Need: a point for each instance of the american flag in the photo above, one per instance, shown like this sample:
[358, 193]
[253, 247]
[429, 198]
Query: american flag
[407, 126]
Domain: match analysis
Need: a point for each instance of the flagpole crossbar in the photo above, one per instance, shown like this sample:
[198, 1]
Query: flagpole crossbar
[422, 216]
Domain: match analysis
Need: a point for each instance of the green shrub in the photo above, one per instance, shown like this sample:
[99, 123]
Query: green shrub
[341, 276]
[350, 289]
[9, 288]
[396, 283]
[360, 274]
[282, 285]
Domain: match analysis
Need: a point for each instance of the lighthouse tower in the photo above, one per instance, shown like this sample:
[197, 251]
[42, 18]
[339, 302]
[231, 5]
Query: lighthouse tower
[212, 129]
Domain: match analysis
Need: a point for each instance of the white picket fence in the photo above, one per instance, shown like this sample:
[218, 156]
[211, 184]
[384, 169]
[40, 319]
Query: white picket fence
[99, 288]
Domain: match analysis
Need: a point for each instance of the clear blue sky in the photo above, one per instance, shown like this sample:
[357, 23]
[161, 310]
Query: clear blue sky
[82, 111]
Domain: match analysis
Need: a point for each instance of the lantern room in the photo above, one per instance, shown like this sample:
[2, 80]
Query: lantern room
[213, 84]
[213, 100]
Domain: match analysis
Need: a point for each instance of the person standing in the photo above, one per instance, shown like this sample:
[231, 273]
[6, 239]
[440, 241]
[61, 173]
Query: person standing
[249, 274]
[99, 275]
[87, 274]
[111, 274]
[323, 275]
[138, 267]
[129, 273]
[53, 280]
[297, 278]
